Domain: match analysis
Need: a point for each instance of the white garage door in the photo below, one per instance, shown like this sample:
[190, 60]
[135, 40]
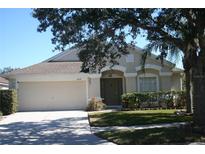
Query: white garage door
[36, 96]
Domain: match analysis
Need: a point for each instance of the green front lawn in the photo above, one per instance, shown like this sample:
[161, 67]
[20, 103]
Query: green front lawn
[128, 118]
[152, 136]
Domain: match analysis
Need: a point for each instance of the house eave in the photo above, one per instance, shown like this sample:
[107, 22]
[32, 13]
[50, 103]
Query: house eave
[50, 77]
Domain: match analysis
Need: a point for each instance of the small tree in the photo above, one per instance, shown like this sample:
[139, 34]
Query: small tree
[6, 70]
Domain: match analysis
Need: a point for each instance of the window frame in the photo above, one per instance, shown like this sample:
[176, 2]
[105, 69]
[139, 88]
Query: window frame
[147, 75]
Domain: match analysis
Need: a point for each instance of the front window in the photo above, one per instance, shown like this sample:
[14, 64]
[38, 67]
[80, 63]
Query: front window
[147, 84]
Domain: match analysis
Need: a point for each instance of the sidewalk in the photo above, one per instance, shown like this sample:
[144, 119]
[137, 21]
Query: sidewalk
[138, 127]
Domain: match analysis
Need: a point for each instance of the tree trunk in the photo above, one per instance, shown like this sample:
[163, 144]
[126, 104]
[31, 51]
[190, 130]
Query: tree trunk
[189, 101]
[198, 89]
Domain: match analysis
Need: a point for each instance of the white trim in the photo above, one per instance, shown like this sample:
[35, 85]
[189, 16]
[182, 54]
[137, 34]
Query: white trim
[4, 84]
[152, 66]
[115, 67]
[52, 77]
[95, 75]
[147, 75]
[4, 88]
[130, 74]
[120, 77]
[165, 73]
[177, 70]
[156, 67]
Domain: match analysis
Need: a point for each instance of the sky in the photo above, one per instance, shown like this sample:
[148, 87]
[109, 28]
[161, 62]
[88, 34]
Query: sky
[20, 43]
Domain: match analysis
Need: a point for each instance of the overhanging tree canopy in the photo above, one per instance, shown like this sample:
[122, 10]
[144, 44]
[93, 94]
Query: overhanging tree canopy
[98, 31]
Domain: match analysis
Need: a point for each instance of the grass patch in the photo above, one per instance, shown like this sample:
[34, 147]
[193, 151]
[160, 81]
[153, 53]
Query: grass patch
[129, 118]
[156, 136]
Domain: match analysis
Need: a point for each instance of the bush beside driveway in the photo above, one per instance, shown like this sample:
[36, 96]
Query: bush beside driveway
[8, 101]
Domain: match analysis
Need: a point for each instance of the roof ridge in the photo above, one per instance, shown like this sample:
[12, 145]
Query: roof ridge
[153, 56]
[47, 68]
[61, 54]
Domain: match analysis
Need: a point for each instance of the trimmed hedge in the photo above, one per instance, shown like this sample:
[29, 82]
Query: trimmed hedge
[8, 101]
[165, 100]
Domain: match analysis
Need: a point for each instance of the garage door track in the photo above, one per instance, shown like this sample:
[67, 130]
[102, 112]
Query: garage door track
[57, 127]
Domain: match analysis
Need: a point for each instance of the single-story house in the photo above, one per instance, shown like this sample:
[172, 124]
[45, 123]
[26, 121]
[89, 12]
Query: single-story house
[58, 84]
[4, 84]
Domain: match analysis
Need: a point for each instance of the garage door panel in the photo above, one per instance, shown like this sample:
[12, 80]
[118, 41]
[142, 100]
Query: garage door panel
[52, 95]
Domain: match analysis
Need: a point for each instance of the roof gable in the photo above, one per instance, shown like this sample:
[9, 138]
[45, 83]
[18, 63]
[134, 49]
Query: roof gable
[70, 55]
[68, 62]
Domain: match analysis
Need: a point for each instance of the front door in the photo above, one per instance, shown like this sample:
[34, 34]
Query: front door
[111, 90]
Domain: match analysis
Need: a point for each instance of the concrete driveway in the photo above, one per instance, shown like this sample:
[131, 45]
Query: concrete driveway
[56, 127]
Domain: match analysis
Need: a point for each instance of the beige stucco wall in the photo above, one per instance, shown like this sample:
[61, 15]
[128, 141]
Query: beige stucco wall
[166, 80]
[131, 84]
[150, 71]
[131, 66]
[12, 84]
[176, 82]
[165, 83]
[90, 86]
[93, 87]
[63, 95]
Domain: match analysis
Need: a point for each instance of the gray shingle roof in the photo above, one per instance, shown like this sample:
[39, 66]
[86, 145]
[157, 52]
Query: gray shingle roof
[3, 80]
[49, 68]
[70, 55]
[66, 62]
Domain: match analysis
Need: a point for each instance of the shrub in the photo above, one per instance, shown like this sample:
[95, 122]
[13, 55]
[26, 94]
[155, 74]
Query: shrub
[180, 99]
[8, 101]
[166, 100]
[95, 104]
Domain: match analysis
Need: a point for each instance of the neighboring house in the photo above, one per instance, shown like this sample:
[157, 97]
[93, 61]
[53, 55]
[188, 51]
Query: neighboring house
[4, 84]
[58, 84]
